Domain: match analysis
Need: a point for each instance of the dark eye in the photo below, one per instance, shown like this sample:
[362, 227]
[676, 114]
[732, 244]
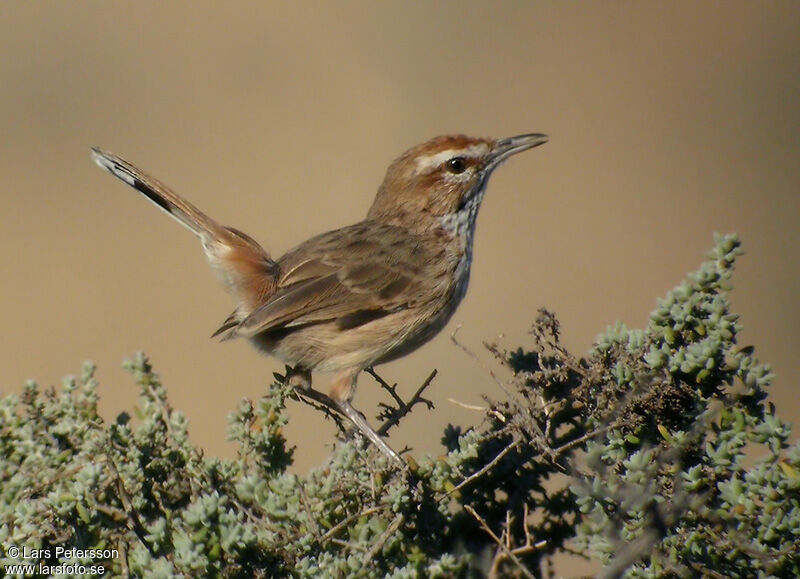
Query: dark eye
[456, 165]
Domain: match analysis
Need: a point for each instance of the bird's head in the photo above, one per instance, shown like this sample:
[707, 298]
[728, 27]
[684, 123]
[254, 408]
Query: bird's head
[443, 180]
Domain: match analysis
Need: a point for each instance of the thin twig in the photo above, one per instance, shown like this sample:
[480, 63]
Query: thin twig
[528, 542]
[466, 406]
[42, 486]
[404, 408]
[479, 473]
[123, 559]
[321, 402]
[112, 512]
[344, 522]
[581, 439]
[385, 536]
[349, 545]
[392, 390]
[705, 571]
[311, 520]
[629, 554]
[472, 355]
[508, 552]
[134, 524]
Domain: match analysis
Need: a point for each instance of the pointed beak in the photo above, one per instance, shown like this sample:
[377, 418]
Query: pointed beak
[504, 148]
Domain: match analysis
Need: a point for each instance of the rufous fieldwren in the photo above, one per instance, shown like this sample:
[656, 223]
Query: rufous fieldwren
[358, 296]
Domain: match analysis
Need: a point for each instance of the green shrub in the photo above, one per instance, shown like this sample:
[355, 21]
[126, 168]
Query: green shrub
[656, 455]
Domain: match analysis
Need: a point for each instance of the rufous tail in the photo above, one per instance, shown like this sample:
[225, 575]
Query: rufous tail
[240, 262]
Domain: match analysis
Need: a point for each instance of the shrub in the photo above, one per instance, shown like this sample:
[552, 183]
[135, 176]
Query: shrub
[657, 454]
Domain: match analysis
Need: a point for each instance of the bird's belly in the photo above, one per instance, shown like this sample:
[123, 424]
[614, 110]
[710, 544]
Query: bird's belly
[328, 348]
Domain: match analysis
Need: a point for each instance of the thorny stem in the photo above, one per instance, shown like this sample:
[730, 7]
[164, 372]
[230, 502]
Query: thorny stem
[500, 543]
[403, 408]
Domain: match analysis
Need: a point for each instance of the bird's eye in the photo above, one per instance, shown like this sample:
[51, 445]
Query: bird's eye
[456, 165]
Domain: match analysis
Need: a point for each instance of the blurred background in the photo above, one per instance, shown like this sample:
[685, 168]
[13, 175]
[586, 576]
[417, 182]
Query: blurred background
[668, 122]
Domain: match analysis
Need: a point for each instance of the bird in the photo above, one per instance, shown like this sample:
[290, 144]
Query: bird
[361, 295]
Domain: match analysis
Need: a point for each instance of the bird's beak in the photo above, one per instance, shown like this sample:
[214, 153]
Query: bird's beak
[504, 148]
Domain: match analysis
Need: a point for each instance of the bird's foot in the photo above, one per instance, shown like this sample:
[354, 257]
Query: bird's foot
[299, 378]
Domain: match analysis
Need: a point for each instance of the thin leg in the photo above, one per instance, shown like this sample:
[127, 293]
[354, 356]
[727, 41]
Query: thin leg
[344, 408]
[361, 423]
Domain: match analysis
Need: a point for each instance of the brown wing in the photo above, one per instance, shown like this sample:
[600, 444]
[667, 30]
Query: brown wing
[344, 276]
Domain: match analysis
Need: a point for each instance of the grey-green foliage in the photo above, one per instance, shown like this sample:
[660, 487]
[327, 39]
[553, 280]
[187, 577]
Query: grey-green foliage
[656, 455]
[696, 474]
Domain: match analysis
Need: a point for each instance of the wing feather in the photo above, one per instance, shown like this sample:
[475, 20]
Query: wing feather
[341, 276]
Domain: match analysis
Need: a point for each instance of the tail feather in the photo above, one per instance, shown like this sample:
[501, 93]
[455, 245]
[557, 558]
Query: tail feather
[159, 194]
[240, 262]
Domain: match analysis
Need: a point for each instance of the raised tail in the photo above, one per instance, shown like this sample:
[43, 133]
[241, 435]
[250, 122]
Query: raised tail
[240, 262]
[159, 194]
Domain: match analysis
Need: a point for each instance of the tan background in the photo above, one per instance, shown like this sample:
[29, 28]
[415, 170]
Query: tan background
[668, 121]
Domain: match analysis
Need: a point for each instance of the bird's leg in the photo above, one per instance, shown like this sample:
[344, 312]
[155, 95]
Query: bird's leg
[361, 423]
[342, 391]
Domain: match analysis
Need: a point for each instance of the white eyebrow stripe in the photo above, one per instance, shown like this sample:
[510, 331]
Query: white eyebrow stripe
[473, 151]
